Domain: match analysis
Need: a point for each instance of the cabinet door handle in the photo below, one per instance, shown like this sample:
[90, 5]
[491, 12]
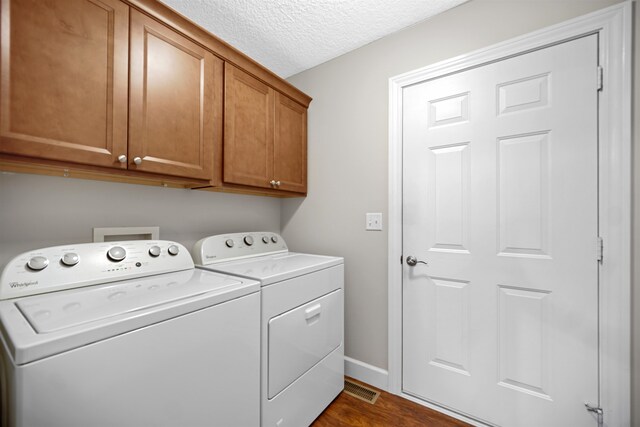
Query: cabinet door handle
[122, 158]
[273, 182]
[277, 183]
[137, 160]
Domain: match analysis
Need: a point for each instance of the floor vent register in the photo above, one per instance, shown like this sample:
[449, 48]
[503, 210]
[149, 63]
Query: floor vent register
[361, 392]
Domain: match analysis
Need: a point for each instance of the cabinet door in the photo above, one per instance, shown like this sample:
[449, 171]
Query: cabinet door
[248, 130]
[63, 80]
[175, 88]
[290, 145]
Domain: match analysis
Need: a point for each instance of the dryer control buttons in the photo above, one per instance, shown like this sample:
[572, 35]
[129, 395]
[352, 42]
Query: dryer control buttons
[70, 259]
[154, 251]
[38, 263]
[173, 250]
[229, 243]
[265, 239]
[274, 239]
[248, 240]
[116, 253]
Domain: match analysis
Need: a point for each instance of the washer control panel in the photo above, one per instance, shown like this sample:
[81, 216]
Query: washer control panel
[226, 247]
[73, 266]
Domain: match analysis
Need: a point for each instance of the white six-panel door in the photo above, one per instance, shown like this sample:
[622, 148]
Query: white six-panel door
[500, 199]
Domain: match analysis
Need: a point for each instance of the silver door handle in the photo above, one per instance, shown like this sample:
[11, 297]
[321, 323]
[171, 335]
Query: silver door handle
[137, 160]
[411, 261]
[122, 158]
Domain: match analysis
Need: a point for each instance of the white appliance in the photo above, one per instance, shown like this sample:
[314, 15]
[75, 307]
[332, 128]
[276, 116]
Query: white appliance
[302, 321]
[152, 341]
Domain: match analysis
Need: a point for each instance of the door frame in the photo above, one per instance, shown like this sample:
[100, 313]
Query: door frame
[614, 28]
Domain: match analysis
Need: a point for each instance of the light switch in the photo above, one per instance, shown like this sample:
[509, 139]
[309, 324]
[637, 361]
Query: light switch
[374, 222]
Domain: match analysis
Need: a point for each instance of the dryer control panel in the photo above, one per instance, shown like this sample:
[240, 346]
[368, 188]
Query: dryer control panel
[73, 266]
[226, 247]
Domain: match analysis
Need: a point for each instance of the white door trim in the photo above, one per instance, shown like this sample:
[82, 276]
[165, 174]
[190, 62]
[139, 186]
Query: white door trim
[614, 28]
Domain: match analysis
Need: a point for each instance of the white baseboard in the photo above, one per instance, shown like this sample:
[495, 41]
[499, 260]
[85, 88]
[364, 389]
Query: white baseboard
[366, 373]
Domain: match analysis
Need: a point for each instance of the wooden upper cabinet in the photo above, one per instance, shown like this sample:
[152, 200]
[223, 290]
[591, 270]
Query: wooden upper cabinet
[133, 87]
[175, 105]
[290, 145]
[63, 80]
[248, 129]
[265, 140]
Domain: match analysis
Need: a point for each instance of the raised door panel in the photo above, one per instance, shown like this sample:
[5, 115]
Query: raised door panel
[176, 89]
[63, 79]
[290, 145]
[248, 130]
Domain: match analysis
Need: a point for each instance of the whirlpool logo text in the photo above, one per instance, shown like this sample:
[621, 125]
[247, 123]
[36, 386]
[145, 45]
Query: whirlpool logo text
[23, 284]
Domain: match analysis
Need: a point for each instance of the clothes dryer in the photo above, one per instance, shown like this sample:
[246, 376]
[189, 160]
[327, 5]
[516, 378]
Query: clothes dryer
[302, 356]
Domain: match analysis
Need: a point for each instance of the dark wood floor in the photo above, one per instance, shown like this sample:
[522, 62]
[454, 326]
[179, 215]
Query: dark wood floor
[389, 410]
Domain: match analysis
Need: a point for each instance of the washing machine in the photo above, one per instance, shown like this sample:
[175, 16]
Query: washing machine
[127, 334]
[302, 326]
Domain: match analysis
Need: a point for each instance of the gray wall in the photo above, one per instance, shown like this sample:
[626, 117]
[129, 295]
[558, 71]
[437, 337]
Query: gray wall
[348, 133]
[39, 211]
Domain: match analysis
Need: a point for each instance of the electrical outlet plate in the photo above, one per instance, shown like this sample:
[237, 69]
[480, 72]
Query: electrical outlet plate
[374, 222]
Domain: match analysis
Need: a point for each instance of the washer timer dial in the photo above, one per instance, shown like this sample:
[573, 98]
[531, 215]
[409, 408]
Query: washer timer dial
[116, 253]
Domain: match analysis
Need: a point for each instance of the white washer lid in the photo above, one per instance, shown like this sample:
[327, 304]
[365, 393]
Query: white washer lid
[275, 268]
[57, 311]
[39, 326]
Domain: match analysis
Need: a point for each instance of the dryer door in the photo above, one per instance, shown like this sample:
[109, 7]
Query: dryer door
[300, 338]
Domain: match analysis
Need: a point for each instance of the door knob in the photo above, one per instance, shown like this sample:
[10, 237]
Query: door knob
[122, 158]
[137, 160]
[273, 182]
[277, 183]
[412, 261]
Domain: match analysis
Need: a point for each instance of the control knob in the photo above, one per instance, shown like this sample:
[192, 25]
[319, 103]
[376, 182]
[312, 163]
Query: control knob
[173, 250]
[274, 239]
[248, 240]
[154, 251]
[70, 259]
[38, 263]
[116, 253]
[229, 243]
[265, 239]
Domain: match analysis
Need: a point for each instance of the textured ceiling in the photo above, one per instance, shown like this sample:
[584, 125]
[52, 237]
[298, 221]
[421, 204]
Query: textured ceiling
[290, 36]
